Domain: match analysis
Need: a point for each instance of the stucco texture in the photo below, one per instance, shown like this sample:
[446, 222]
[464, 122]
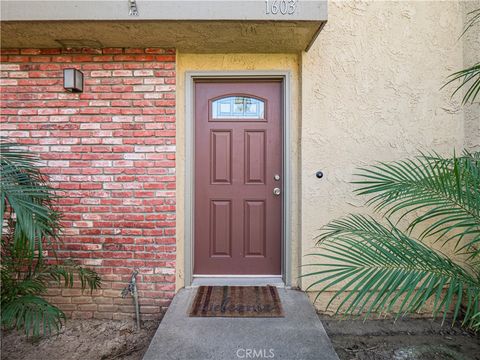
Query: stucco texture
[471, 56]
[371, 92]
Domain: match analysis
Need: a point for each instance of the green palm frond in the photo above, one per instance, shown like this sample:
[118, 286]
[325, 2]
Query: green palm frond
[469, 78]
[67, 271]
[446, 189]
[25, 193]
[29, 286]
[476, 322]
[21, 306]
[32, 226]
[33, 314]
[381, 269]
[474, 18]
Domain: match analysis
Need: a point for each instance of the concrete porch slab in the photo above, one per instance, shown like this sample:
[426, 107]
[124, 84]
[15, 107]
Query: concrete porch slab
[298, 336]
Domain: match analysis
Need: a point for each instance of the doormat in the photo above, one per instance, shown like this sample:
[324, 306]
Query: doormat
[236, 301]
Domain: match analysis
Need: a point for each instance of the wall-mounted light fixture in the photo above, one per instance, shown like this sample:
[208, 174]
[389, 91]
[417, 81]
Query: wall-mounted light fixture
[73, 80]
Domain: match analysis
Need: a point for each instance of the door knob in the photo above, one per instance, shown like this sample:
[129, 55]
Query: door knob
[276, 191]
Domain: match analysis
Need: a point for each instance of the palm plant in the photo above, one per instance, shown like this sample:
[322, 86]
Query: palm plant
[31, 228]
[383, 269]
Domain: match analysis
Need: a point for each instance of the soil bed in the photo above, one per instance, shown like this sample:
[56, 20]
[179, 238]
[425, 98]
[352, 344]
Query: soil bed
[409, 339]
[83, 339]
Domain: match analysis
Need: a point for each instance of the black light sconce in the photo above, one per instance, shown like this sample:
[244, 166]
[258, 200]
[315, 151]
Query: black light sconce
[73, 80]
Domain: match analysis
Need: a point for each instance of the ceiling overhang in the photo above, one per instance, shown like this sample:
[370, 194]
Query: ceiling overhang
[227, 26]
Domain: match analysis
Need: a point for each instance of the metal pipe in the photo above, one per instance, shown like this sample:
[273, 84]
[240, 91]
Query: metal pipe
[131, 288]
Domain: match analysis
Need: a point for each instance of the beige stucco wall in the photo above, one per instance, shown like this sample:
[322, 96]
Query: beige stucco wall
[471, 56]
[232, 63]
[368, 90]
[371, 91]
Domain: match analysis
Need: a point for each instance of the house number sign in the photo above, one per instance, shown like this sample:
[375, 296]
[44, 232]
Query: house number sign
[283, 7]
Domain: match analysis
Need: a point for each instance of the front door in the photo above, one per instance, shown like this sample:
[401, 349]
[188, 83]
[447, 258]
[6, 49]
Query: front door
[238, 177]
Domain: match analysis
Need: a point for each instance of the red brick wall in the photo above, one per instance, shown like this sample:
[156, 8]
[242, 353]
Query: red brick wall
[111, 152]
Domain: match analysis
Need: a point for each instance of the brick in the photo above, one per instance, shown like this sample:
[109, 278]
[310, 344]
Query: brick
[100, 73]
[155, 51]
[82, 315]
[122, 73]
[50, 51]
[103, 316]
[7, 82]
[88, 307]
[112, 50]
[71, 292]
[19, 59]
[62, 59]
[103, 58]
[82, 58]
[122, 88]
[142, 88]
[112, 66]
[143, 73]
[111, 293]
[93, 262]
[103, 300]
[68, 307]
[134, 51]
[19, 74]
[4, 66]
[108, 308]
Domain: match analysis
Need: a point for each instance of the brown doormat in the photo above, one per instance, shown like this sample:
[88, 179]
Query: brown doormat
[237, 301]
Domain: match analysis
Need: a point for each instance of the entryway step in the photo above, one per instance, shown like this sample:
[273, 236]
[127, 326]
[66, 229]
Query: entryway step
[297, 336]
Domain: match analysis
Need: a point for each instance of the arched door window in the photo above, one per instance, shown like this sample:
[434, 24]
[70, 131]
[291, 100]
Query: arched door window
[238, 107]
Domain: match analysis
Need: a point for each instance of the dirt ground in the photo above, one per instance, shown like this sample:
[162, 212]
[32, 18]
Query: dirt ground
[83, 339]
[412, 339]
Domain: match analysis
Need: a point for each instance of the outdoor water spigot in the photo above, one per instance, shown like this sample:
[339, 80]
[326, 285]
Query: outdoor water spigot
[131, 288]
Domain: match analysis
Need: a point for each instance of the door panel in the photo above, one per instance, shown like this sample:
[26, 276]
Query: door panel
[255, 228]
[220, 228]
[221, 157]
[255, 166]
[237, 217]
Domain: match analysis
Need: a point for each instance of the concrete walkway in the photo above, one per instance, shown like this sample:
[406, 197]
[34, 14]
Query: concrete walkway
[298, 336]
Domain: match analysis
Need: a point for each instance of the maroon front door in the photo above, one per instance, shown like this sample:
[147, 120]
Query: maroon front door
[238, 177]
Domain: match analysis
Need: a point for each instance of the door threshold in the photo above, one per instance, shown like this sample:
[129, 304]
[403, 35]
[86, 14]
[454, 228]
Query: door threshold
[237, 281]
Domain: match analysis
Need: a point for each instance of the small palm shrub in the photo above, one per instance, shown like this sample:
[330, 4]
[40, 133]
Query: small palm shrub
[380, 268]
[31, 228]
